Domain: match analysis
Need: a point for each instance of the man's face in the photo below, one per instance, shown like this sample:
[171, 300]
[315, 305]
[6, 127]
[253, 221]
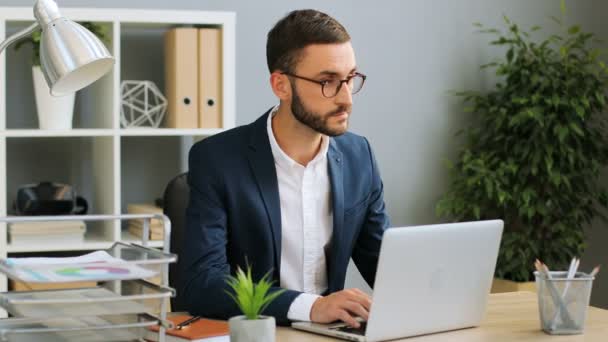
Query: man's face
[323, 62]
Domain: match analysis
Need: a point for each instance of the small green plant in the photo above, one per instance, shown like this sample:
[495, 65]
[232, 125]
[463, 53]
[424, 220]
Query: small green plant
[252, 299]
[34, 39]
[535, 148]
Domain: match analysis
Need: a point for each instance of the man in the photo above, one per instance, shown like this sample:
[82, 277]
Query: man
[292, 193]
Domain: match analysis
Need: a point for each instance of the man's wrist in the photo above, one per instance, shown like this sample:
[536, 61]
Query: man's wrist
[301, 308]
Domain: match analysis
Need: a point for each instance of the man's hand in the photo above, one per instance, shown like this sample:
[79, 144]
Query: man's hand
[345, 305]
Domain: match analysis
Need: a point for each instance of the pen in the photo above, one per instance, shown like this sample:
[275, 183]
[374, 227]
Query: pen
[187, 322]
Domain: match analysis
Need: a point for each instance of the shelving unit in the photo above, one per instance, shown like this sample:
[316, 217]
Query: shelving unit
[108, 165]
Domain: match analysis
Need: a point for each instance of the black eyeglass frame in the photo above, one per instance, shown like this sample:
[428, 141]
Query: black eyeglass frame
[324, 83]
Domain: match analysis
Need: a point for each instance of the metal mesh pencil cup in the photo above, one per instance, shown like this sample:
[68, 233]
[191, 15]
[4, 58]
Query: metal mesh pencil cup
[563, 302]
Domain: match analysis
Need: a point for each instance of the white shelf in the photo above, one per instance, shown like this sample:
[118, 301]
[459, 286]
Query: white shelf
[167, 132]
[131, 132]
[33, 133]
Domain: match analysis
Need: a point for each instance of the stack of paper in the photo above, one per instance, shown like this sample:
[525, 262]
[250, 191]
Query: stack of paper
[136, 227]
[94, 266]
[47, 232]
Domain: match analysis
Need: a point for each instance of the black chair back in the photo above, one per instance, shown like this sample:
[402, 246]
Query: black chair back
[175, 201]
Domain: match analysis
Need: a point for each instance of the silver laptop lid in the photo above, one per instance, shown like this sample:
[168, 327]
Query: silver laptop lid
[433, 278]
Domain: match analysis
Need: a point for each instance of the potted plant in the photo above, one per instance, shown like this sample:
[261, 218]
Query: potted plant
[534, 148]
[53, 112]
[252, 299]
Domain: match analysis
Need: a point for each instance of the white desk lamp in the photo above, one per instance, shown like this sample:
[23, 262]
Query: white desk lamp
[71, 56]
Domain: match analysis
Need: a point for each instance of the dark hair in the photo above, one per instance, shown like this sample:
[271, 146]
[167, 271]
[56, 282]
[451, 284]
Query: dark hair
[297, 30]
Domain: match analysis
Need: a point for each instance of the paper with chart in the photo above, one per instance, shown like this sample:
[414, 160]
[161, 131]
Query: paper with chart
[95, 266]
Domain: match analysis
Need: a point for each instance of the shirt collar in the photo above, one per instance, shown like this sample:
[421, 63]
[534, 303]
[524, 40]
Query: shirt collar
[281, 157]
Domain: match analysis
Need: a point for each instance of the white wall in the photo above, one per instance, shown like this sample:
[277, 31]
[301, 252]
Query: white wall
[414, 53]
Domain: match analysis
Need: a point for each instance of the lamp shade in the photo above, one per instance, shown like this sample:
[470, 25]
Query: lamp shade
[71, 56]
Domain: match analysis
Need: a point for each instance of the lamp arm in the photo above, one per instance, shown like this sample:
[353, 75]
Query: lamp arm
[19, 35]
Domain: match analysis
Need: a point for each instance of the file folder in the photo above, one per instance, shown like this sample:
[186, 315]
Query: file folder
[210, 78]
[181, 83]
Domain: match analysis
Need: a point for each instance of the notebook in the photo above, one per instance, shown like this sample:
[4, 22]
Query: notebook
[202, 330]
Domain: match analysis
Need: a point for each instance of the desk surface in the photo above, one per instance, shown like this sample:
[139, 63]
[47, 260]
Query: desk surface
[509, 317]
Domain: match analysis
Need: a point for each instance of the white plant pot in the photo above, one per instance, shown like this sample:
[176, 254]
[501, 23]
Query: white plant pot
[53, 112]
[245, 330]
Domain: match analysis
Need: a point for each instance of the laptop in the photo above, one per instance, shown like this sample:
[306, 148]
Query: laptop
[429, 279]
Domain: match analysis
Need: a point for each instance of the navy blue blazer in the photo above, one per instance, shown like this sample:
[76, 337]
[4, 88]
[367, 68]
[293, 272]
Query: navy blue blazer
[233, 217]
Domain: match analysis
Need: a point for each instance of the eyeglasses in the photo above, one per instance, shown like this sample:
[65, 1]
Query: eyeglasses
[331, 88]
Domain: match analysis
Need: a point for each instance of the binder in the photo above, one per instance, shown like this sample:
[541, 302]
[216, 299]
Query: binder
[181, 83]
[210, 78]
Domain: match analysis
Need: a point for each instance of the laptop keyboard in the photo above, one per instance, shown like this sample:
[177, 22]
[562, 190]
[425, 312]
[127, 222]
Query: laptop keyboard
[348, 329]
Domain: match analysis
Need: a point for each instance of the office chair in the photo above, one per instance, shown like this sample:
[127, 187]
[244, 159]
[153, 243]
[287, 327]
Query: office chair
[175, 201]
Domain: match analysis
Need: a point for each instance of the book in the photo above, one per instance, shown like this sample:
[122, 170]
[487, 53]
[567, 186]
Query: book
[201, 330]
[46, 239]
[138, 232]
[140, 224]
[144, 208]
[135, 227]
[46, 232]
[37, 227]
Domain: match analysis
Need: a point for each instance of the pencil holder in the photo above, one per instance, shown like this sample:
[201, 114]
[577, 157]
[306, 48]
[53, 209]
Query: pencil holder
[563, 302]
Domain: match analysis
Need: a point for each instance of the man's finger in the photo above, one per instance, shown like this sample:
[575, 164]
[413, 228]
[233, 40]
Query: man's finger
[345, 317]
[360, 297]
[356, 309]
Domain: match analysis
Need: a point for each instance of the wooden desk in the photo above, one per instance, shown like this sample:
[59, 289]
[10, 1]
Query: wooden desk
[509, 317]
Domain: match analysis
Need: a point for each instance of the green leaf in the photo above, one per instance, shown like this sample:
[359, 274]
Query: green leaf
[477, 212]
[600, 97]
[558, 21]
[574, 29]
[580, 111]
[501, 197]
[251, 298]
[562, 132]
[576, 129]
[530, 212]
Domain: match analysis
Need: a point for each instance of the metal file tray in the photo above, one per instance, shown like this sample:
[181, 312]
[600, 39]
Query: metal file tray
[132, 262]
[119, 297]
[129, 327]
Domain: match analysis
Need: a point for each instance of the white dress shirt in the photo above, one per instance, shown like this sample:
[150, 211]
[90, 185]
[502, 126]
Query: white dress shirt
[306, 224]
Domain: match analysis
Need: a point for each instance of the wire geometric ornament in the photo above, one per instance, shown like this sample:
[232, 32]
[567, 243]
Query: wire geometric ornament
[142, 104]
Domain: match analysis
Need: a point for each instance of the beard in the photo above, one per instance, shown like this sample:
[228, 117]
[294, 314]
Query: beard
[317, 122]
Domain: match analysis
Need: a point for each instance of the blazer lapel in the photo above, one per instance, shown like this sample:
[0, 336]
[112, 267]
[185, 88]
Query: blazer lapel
[335, 168]
[262, 164]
